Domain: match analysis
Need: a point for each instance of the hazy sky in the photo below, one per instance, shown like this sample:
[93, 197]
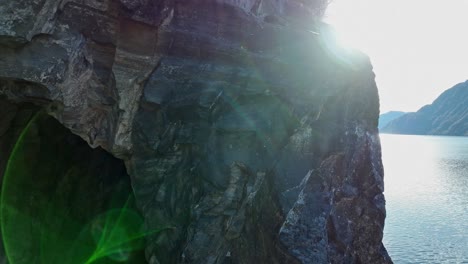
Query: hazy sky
[419, 48]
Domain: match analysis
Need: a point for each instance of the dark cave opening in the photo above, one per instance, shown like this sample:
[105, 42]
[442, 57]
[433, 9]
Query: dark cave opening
[62, 201]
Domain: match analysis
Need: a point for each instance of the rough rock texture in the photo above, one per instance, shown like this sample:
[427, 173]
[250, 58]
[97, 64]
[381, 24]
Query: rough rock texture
[249, 135]
[447, 115]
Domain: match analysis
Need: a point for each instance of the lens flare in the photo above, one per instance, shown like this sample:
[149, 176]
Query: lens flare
[48, 212]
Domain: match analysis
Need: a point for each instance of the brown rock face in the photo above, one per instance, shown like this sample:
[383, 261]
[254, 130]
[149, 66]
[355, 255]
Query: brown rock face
[249, 135]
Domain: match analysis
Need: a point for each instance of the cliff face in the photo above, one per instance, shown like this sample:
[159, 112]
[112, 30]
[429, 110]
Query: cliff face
[447, 115]
[248, 134]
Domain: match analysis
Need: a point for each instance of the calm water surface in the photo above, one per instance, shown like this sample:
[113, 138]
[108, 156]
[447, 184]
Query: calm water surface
[426, 187]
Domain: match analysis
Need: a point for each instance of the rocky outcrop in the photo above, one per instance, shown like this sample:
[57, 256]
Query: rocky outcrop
[447, 115]
[248, 134]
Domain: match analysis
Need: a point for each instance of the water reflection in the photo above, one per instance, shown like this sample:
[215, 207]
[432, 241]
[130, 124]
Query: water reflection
[426, 188]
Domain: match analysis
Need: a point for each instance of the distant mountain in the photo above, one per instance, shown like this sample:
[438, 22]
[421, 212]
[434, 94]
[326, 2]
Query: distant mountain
[384, 119]
[447, 115]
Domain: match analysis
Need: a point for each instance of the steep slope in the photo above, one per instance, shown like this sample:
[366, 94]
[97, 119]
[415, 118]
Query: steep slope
[248, 134]
[386, 118]
[447, 115]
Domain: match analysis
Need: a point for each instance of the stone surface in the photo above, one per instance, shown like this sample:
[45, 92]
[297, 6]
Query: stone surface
[447, 115]
[248, 133]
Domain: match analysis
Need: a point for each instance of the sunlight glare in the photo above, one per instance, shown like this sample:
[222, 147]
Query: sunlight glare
[418, 48]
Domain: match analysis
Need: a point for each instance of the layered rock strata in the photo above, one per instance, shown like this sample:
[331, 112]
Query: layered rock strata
[248, 133]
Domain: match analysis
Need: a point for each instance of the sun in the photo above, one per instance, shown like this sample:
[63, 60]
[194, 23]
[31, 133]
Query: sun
[358, 22]
[418, 48]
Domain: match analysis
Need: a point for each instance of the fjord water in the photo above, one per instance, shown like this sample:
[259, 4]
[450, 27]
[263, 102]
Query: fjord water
[426, 188]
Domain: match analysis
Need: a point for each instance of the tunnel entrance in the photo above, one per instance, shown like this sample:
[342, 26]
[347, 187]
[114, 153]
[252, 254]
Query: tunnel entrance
[62, 201]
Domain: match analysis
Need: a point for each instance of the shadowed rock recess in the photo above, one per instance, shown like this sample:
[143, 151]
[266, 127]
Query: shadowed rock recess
[249, 135]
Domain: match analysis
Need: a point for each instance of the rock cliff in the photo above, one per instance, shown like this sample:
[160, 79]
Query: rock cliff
[249, 135]
[447, 115]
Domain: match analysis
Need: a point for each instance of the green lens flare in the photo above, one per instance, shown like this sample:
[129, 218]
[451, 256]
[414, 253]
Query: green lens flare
[56, 207]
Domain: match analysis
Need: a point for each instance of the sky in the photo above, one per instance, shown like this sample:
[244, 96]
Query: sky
[418, 48]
